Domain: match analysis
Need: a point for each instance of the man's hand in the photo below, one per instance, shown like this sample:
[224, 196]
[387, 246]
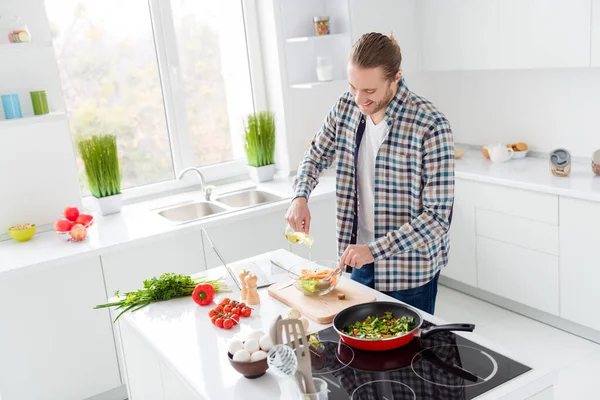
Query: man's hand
[298, 215]
[356, 256]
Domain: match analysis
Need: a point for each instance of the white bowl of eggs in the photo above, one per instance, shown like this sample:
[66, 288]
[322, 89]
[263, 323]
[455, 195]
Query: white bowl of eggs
[249, 357]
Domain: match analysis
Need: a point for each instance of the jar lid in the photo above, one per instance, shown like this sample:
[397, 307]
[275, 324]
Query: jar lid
[560, 158]
[319, 19]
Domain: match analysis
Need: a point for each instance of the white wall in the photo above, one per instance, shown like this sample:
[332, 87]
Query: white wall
[546, 108]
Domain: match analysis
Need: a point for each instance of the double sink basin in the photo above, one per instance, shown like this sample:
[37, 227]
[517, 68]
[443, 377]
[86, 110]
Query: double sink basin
[223, 203]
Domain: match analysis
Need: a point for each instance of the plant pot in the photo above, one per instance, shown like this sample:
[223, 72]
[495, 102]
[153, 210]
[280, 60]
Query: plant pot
[110, 204]
[262, 174]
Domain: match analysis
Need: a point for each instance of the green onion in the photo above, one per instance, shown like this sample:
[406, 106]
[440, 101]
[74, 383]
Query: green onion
[168, 286]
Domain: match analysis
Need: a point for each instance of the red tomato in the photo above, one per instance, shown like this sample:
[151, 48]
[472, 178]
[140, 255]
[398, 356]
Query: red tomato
[84, 219]
[236, 318]
[71, 213]
[211, 313]
[219, 322]
[78, 232]
[213, 319]
[228, 324]
[63, 225]
[246, 312]
[242, 305]
[236, 311]
[225, 300]
[219, 308]
[227, 308]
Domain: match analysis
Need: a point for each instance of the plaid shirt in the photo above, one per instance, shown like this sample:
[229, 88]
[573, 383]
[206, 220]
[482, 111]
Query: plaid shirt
[414, 186]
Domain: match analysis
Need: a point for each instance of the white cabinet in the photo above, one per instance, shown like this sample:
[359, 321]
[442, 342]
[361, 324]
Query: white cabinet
[244, 238]
[125, 270]
[519, 274]
[148, 378]
[595, 33]
[462, 264]
[142, 370]
[504, 34]
[387, 16]
[579, 262]
[53, 344]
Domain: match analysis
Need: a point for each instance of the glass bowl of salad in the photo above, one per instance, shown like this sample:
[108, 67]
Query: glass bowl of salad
[313, 278]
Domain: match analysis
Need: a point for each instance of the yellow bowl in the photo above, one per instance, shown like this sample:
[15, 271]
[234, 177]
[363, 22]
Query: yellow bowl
[21, 235]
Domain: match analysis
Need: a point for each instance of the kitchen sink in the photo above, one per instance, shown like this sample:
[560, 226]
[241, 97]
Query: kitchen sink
[247, 198]
[191, 211]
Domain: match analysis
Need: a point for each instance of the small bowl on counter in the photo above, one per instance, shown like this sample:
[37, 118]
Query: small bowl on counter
[308, 275]
[251, 369]
[517, 155]
[22, 232]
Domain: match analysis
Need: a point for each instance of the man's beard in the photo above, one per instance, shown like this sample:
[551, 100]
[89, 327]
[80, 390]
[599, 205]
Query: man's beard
[380, 105]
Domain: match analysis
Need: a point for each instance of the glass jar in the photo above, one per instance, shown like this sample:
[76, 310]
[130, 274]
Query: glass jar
[18, 32]
[321, 25]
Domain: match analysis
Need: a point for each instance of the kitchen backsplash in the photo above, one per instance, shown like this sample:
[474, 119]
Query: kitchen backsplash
[546, 108]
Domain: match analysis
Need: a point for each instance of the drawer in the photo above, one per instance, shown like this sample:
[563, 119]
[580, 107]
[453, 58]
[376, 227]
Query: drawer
[527, 204]
[518, 274]
[533, 235]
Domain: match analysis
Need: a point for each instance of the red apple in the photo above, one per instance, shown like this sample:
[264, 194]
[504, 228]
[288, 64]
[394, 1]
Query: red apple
[84, 219]
[71, 213]
[78, 232]
[63, 225]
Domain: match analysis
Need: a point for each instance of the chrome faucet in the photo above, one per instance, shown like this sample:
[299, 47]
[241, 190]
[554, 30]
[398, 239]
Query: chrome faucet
[207, 190]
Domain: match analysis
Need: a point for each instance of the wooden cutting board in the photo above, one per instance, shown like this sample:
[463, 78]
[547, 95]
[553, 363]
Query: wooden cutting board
[321, 309]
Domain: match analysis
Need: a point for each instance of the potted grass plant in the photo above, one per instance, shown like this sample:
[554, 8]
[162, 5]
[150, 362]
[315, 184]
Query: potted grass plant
[103, 172]
[259, 145]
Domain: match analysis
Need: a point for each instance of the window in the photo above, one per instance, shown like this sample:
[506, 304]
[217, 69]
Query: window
[170, 79]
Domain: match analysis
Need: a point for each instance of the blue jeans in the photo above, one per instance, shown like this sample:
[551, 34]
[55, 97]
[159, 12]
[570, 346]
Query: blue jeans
[422, 297]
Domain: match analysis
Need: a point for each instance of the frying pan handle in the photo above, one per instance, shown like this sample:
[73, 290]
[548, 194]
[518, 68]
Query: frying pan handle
[426, 332]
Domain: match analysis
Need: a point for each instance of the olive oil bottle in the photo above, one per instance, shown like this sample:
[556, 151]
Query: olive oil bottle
[299, 238]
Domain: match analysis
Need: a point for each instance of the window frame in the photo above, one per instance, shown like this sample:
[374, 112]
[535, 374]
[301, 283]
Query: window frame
[171, 81]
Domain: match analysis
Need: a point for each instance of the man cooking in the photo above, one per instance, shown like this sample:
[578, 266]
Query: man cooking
[394, 156]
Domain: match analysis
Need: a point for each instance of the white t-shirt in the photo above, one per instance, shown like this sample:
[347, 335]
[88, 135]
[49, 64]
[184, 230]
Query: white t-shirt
[372, 139]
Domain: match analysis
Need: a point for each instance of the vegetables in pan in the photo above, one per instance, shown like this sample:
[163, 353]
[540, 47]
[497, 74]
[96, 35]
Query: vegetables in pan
[383, 327]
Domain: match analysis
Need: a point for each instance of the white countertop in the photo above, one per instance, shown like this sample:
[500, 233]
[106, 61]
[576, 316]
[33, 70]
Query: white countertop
[182, 336]
[137, 222]
[530, 173]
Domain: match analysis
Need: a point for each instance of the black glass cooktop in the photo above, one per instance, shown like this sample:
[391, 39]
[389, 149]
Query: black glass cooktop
[443, 366]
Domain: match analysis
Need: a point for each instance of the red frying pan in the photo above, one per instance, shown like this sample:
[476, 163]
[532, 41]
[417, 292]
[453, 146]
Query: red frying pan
[360, 312]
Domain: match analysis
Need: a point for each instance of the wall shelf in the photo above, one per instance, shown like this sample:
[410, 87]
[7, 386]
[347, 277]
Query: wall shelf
[310, 85]
[24, 47]
[312, 38]
[32, 119]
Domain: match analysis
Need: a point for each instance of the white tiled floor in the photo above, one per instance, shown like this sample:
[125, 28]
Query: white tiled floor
[576, 359]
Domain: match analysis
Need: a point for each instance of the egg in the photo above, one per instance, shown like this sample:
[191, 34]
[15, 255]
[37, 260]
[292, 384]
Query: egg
[251, 345]
[293, 314]
[256, 335]
[234, 345]
[265, 343]
[257, 356]
[241, 356]
[304, 323]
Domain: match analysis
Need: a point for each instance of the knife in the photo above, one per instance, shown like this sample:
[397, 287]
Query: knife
[275, 263]
[281, 285]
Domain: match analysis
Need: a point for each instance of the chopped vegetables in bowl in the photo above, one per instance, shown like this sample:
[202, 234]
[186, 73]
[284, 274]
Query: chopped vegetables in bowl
[312, 277]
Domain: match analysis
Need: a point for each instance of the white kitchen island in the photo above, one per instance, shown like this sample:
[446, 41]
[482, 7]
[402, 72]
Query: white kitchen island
[173, 352]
